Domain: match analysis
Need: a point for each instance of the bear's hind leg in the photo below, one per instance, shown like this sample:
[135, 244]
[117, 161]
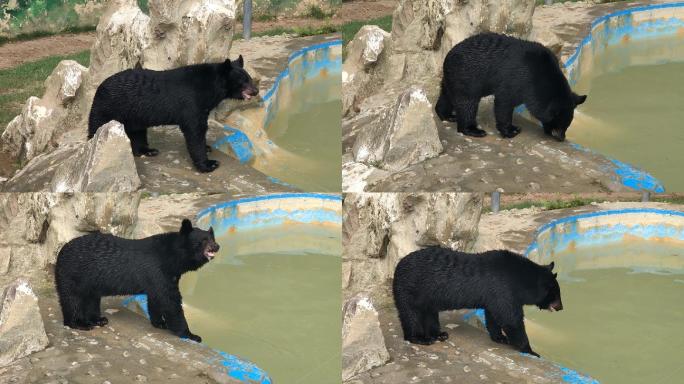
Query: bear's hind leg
[503, 111]
[77, 318]
[411, 324]
[94, 316]
[444, 109]
[433, 330]
[466, 117]
[139, 143]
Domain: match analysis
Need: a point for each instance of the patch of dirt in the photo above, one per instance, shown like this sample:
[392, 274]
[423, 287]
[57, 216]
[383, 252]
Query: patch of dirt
[7, 166]
[15, 53]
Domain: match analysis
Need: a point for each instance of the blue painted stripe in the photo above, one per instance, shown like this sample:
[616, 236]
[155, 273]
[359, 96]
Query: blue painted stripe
[575, 218]
[235, 203]
[239, 143]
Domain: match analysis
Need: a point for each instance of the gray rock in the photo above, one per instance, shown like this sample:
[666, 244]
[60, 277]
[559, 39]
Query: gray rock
[406, 135]
[105, 164]
[21, 326]
[363, 346]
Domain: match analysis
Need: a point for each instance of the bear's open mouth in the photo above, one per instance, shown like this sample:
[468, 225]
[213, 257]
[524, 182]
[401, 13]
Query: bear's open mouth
[210, 252]
[246, 95]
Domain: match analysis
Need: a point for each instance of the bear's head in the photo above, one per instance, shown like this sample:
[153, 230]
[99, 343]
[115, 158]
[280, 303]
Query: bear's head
[238, 83]
[200, 245]
[549, 295]
[562, 116]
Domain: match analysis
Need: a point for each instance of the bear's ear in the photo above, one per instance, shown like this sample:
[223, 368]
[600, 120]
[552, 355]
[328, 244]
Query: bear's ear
[579, 99]
[211, 231]
[555, 275]
[186, 227]
[240, 62]
[550, 266]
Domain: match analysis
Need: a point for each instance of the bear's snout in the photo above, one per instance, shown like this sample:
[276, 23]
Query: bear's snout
[556, 306]
[249, 91]
[210, 250]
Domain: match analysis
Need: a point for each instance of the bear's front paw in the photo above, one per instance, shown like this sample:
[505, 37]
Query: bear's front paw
[501, 339]
[161, 324]
[510, 132]
[421, 341]
[207, 166]
[473, 131]
[101, 321]
[443, 336]
[193, 337]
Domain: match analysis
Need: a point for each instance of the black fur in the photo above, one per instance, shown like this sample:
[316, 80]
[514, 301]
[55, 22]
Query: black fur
[501, 282]
[141, 98]
[514, 71]
[96, 265]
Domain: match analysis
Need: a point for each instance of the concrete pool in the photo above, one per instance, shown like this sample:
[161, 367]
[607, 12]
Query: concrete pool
[631, 65]
[615, 267]
[267, 296]
[294, 136]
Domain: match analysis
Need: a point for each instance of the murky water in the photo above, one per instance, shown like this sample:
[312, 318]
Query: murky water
[634, 112]
[619, 325]
[273, 297]
[310, 127]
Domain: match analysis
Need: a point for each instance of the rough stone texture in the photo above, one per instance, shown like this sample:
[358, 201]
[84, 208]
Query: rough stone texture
[381, 228]
[36, 225]
[404, 136]
[21, 326]
[105, 164]
[37, 129]
[363, 346]
[363, 52]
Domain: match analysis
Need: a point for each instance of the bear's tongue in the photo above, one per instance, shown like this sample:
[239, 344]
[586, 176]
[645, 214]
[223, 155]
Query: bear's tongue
[246, 95]
[209, 255]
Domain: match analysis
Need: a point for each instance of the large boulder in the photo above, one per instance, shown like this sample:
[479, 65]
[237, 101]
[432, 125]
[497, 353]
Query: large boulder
[363, 52]
[436, 25]
[381, 228]
[21, 327]
[37, 129]
[407, 134]
[105, 164]
[363, 346]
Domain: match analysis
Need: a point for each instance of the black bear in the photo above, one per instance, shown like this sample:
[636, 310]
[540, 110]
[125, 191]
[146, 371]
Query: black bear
[514, 71]
[437, 279]
[96, 265]
[141, 98]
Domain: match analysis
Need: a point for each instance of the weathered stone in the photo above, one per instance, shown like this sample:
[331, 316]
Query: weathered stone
[21, 326]
[105, 164]
[405, 136]
[363, 346]
[64, 82]
[547, 38]
[30, 133]
[366, 47]
[381, 228]
[437, 25]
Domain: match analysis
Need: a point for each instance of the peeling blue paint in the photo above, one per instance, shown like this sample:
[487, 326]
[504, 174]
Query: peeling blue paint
[239, 143]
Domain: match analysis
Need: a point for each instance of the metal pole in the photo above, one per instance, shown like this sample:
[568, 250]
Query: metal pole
[645, 196]
[247, 20]
[496, 201]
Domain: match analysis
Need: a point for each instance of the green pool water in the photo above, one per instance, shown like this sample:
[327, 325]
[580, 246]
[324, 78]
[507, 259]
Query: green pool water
[619, 325]
[273, 297]
[310, 127]
[634, 111]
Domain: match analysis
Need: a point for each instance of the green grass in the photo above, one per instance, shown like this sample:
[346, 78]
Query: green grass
[17, 84]
[549, 205]
[349, 30]
[38, 34]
